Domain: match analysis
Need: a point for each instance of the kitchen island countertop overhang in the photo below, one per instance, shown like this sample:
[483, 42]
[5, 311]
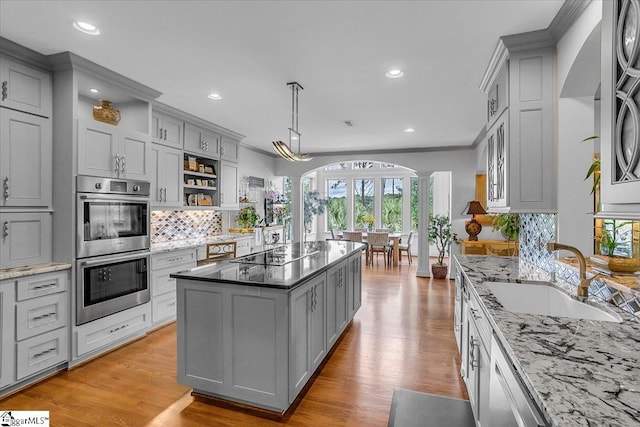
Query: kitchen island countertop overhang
[283, 267]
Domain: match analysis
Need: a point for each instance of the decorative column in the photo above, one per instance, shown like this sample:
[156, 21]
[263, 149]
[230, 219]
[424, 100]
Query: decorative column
[423, 224]
[297, 221]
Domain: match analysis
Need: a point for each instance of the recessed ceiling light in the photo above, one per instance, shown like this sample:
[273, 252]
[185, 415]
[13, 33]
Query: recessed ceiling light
[409, 130]
[394, 74]
[214, 95]
[86, 28]
[94, 90]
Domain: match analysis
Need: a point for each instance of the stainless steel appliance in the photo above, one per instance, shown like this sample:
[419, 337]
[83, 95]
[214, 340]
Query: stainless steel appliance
[113, 216]
[112, 246]
[108, 284]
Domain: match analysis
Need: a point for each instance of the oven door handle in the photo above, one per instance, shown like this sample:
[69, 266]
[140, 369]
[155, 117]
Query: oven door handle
[114, 198]
[111, 259]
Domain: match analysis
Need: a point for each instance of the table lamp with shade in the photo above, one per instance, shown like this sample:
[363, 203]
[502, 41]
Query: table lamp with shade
[473, 227]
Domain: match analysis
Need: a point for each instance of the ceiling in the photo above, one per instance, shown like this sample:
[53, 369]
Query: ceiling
[338, 51]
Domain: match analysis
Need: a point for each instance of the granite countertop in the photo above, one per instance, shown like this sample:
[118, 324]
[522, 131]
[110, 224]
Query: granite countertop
[29, 270]
[580, 372]
[194, 243]
[283, 267]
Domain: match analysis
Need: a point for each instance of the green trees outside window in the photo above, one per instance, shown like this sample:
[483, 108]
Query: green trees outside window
[363, 200]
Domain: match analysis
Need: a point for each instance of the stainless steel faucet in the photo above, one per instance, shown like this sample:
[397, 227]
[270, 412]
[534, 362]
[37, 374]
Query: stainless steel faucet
[583, 287]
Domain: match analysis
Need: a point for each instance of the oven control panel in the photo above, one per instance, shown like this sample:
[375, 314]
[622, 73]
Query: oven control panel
[94, 184]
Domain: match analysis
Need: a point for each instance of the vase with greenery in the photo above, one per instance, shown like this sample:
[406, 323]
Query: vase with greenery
[313, 205]
[440, 235]
[247, 217]
[508, 225]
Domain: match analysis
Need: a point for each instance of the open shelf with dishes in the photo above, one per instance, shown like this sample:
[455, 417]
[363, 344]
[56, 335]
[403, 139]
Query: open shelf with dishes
[200, 181]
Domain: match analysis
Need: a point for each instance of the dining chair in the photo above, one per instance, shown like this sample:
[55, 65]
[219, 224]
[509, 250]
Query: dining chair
[334, 234]
[356, 236]
[378, 243]
[406, 247]
[219, 251]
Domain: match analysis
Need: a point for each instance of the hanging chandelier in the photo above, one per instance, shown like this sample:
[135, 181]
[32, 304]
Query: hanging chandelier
[281, 147]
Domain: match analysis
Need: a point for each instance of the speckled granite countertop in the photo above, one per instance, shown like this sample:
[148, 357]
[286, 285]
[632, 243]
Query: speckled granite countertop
[194, 243]
[581, 372]
[12, 273]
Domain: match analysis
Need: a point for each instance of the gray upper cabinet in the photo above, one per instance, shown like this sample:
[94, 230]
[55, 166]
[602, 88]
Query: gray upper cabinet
[166, 176]
[104, 150]
[228, 185]
[520, 133]
[619, 127]
[166, 130]
[24, 88]
[25, 159]
[199, 140]
[229, 149]
[25, 238]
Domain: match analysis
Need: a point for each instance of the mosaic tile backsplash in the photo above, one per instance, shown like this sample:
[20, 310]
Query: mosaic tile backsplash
[538, 229]
[181, 225]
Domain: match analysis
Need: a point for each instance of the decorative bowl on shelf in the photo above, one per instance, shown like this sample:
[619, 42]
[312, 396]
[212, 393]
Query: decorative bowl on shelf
[623, 265]
[106, 113]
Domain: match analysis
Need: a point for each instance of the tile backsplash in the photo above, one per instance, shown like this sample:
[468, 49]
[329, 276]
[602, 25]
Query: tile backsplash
[181, 225]
[538, 229]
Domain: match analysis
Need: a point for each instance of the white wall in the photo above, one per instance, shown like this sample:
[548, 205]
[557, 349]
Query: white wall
[578, 76]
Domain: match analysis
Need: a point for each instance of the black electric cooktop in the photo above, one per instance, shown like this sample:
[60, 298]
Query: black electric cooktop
[278, 256]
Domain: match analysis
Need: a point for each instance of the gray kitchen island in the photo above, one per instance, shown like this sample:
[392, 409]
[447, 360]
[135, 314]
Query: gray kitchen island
[253, 330]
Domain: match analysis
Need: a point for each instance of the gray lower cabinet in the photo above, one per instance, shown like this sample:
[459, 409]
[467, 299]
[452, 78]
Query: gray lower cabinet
[336, 302]
[35, 333]
[7, 322]
[93, 337]
[25, 238]
[354, 285]
[163, 286]
[308, 320]
[254, 345]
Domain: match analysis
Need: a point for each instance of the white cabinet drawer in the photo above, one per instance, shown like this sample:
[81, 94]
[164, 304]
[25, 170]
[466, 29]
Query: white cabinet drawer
[162, 282]
[173, 259]
[39, 315]
[102, 332]
[164, 307]
[41, 284]
[42, 352]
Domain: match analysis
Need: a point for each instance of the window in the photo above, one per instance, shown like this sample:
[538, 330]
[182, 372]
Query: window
[363, 200]
[337, 208]
[337, 166]
[392, 203]
[363, 165]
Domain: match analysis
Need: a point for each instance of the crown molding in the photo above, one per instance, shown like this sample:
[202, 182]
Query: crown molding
[23, 54]
[567, 15]
[71, 61]
[548, 37]
[393, 151]
[167, 109]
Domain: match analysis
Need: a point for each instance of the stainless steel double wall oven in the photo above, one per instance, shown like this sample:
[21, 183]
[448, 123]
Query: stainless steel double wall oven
[112, 246]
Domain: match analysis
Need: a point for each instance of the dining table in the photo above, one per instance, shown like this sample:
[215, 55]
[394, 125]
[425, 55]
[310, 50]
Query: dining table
[394, 237]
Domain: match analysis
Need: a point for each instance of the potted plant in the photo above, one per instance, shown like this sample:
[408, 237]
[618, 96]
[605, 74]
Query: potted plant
[440, 235]
[508, 225]
[313, 205]
[611, 240]
[247, 217]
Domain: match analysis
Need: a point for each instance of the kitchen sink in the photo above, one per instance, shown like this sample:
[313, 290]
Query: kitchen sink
[545, 299]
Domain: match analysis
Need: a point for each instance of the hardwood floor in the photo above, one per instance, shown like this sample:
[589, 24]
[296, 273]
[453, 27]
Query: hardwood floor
[402, 337]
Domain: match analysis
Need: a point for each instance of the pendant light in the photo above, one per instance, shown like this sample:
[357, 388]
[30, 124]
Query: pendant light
[282, 148]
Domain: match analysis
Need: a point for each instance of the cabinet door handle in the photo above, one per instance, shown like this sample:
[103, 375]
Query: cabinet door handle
[472, 360]
[6, 187]
[124, 161]
[117, 169]
[165, 134]
[164, 190]
[160, 133]
[5, 229]
[4, 90]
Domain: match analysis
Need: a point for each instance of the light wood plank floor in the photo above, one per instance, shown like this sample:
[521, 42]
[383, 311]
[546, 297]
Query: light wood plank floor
[402, 337]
